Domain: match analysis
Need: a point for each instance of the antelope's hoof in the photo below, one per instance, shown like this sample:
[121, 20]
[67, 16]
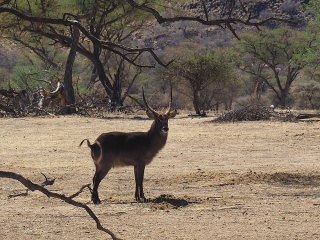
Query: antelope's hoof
[141, 200]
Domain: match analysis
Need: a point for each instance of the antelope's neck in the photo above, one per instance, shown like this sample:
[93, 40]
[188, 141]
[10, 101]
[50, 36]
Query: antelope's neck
[157, 137]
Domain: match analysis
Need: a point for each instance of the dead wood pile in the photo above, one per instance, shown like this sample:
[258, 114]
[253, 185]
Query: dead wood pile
[246, 113]
[258, 112]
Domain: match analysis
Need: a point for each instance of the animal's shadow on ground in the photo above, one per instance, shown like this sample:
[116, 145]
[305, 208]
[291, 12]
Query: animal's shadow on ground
[161, 202]
[169, 200]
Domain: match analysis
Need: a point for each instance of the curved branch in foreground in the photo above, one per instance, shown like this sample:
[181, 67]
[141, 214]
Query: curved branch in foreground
[35, 187]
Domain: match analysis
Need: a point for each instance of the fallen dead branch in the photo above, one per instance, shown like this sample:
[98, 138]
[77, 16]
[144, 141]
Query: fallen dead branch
[35, 187]
[303, 116]
[47, 181]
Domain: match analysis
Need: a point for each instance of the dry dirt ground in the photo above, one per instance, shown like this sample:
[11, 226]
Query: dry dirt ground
[252, 180]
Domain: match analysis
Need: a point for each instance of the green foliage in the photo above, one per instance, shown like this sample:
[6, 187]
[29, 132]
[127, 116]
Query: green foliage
[314, 8]
[204, 69]
[313, 29]
[280, 54]
[29, 72]
[206, 77]
[24, 77]
[279, 46]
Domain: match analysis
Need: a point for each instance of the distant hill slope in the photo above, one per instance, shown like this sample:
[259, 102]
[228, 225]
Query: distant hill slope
[170, 35]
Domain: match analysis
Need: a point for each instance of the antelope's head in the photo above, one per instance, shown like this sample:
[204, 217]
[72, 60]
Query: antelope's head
[161, 119]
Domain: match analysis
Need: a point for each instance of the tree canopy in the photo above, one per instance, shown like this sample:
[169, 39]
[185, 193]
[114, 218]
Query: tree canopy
[282, 52]
[207, 78]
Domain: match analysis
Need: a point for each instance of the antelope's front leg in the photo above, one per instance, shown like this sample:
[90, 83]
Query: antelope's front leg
[139, 174]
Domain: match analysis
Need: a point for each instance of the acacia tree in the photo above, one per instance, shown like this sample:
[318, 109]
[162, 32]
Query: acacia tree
[282, 53]
[207, 79]
[314, 28]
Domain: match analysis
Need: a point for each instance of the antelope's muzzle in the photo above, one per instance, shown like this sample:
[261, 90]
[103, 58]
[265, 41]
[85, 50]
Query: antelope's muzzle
[165, 129]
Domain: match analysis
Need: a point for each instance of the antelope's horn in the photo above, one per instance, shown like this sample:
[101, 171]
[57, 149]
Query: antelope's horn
[170, 103]
[57, 89]
[147, 105]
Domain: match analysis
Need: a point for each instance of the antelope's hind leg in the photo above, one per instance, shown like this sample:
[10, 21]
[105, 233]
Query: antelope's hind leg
[101, 172]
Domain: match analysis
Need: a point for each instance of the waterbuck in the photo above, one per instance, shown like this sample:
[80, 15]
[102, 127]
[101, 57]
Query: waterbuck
[137, 149]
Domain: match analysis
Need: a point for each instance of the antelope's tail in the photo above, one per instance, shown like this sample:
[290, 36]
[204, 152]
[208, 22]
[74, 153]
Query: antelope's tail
[88, 143]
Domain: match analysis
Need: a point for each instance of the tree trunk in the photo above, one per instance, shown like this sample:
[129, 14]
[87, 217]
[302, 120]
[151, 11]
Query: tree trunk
[228, 104]
[216, 107]
[196, 103]
[102, 76]
[283, 98]
[256, 95]
[116, 98]
[68, 87]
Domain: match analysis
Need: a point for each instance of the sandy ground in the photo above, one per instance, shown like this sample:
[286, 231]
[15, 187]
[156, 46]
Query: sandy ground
[253, 180]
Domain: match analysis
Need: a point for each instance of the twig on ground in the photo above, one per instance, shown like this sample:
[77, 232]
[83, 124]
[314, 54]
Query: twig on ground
[47, 181]
[19, 194]
[80, 191]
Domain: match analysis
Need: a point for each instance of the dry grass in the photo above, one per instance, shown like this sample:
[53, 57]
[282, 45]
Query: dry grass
[252, 180]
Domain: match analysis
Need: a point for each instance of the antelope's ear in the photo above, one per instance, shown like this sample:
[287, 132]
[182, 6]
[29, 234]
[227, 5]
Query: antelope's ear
[150, 114]
[173, 113]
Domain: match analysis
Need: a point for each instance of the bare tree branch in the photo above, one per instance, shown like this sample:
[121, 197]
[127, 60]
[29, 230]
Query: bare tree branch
[111, 46]
[131, 83]
[217, 22]
[35, 187]
[205, 9]
[137, 101]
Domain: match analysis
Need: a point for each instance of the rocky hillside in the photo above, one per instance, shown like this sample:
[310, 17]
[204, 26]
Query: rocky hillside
[261, 9]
